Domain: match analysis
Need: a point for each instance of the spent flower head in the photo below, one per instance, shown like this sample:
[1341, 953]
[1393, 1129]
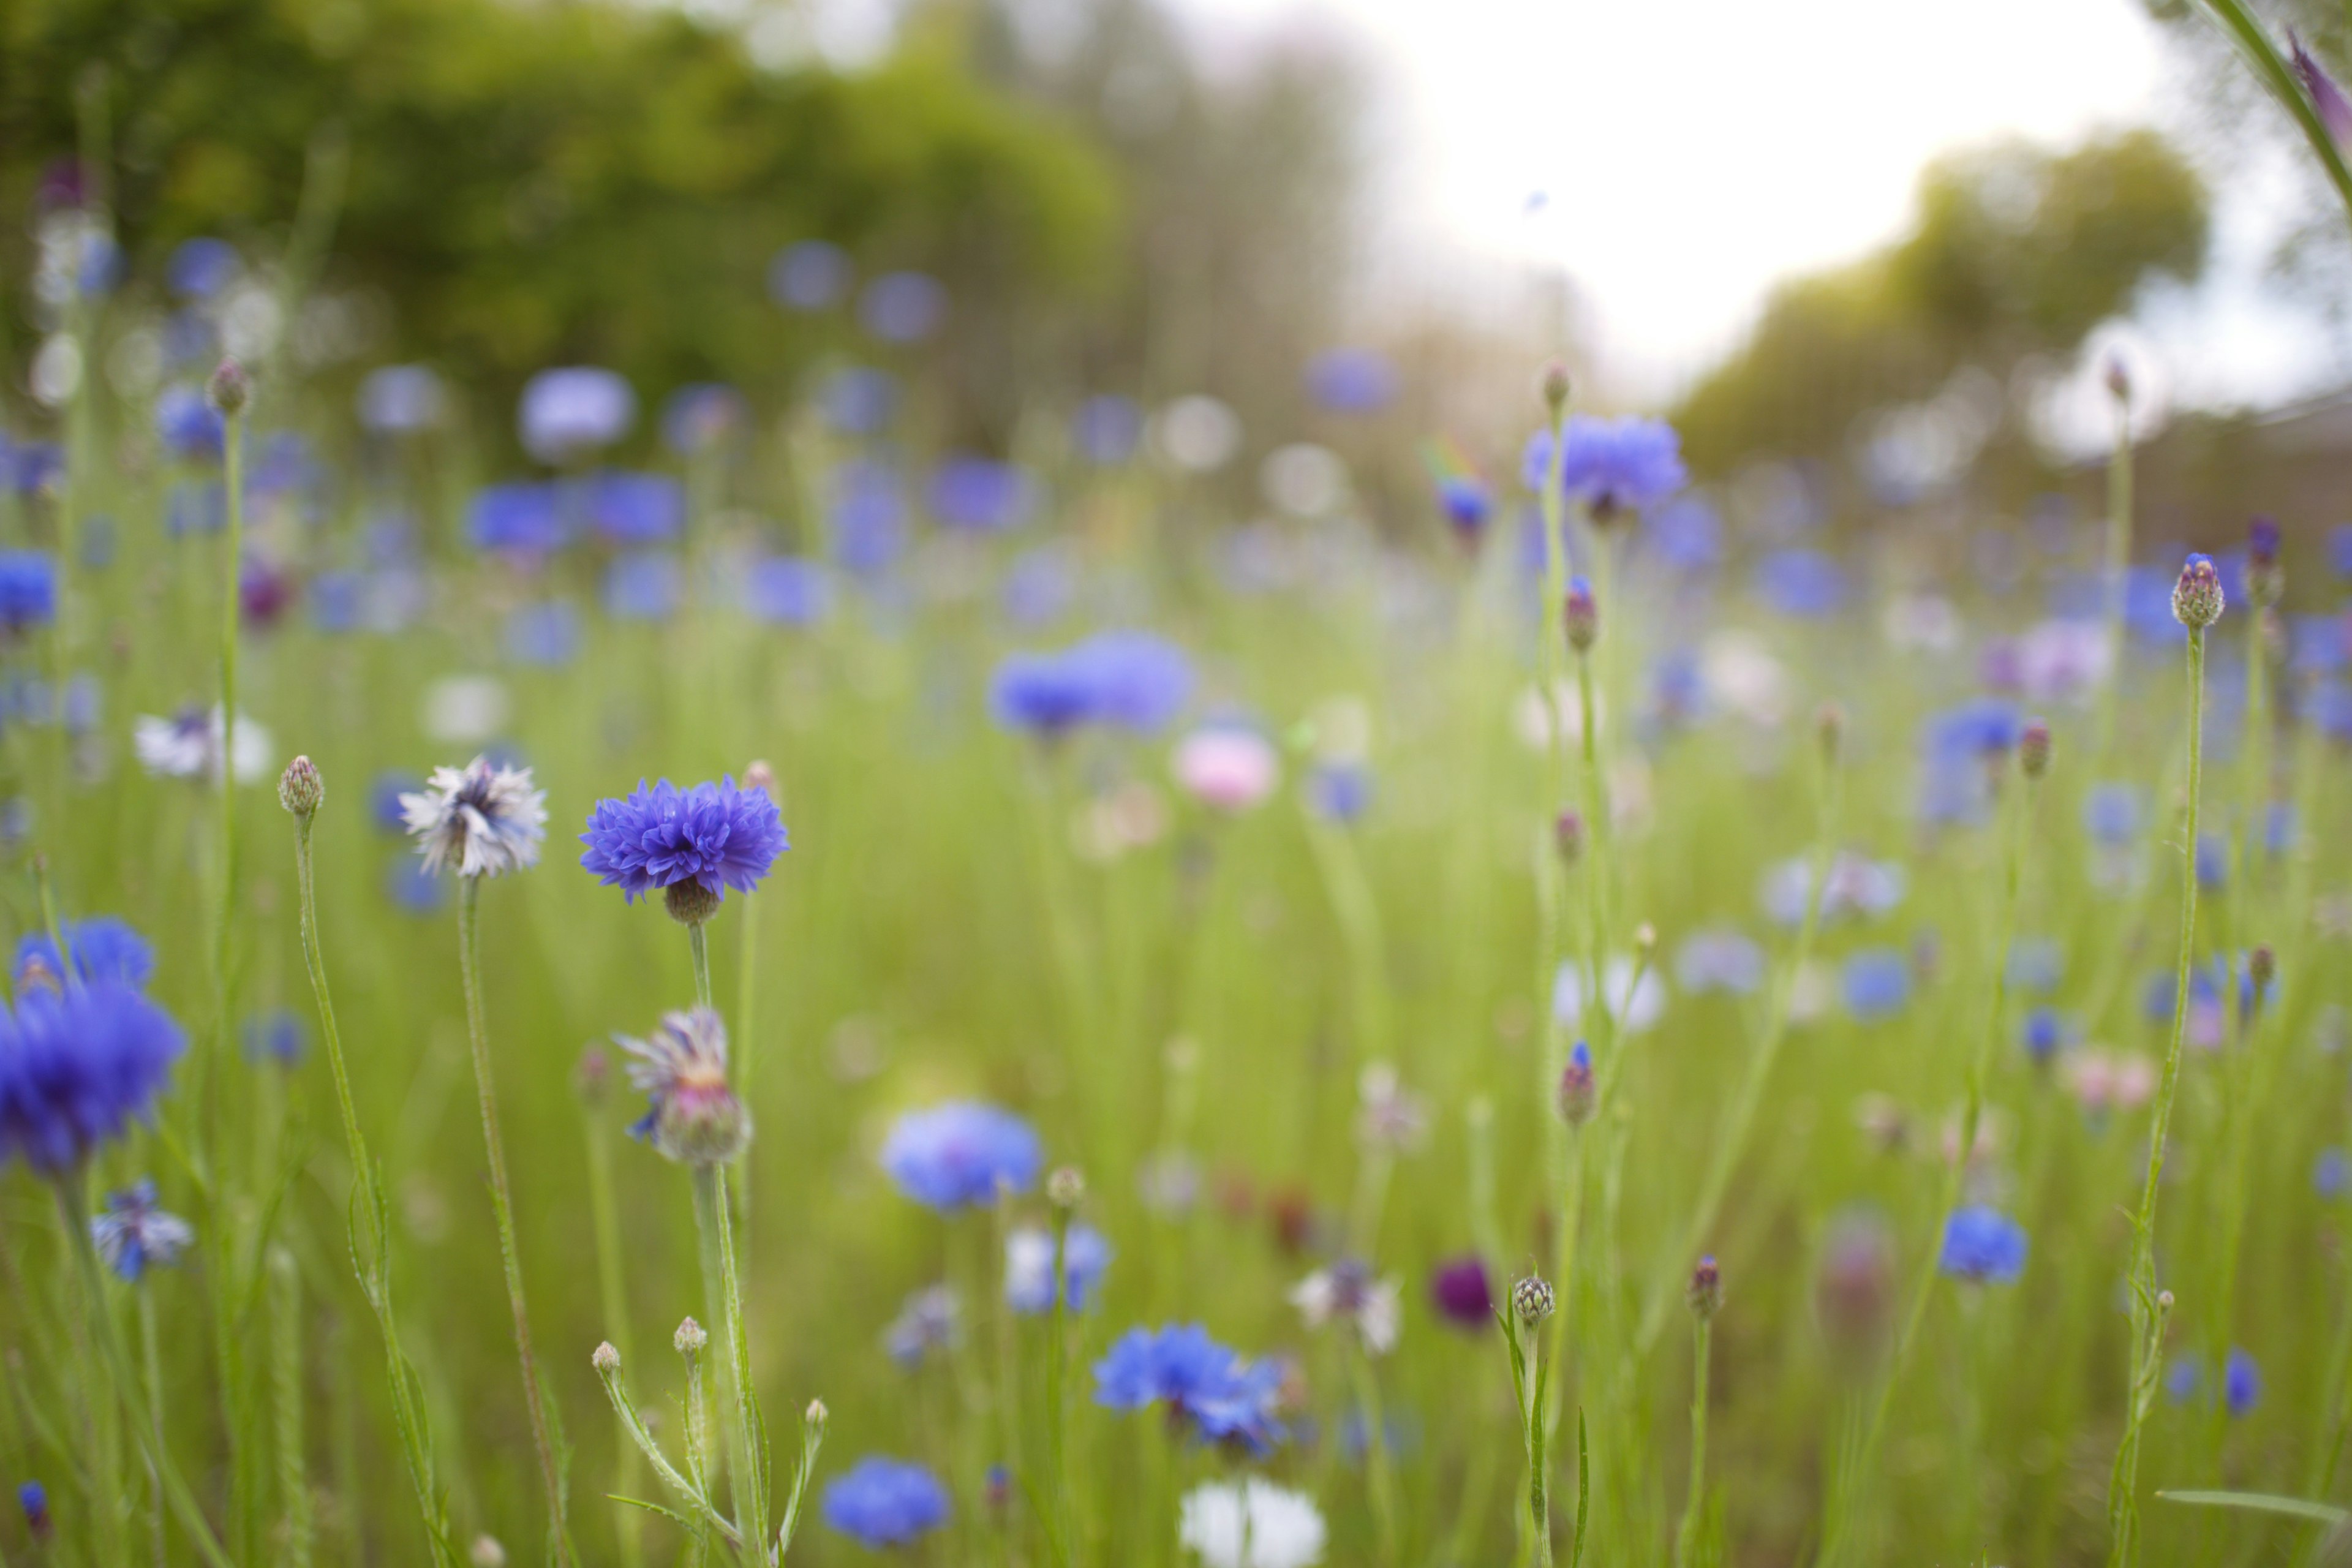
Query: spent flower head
[133, 1231]
[481, 820]
[693, 1115]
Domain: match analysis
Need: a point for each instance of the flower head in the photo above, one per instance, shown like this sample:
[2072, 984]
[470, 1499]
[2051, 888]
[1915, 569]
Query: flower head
[1227, 768]
[103, 948]
[715, 836]
[188, 746]
[570, 413]
[1029, 1268]
[76, 1066]
[2242, 1382]
[693, 1115]
[1390, 1117]
[1463, 1292]
[1346, 1292]
[34, 1500]
[1250, 1524]
[486, 818]
[132, 1231]
[884, 1502]
[2327, 99]
[927, 1321]
[1983, 1247]
[2196, 599]
[1223, 1397]
[1577, 1095]
[28, 590]
[959, 1154]
[1613, 465]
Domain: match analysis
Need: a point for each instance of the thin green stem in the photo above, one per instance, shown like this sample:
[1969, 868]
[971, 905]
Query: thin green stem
[699, 943]
[2118, 560]
[151, 1361]
[722, 1293]
[286, 1366]
[1378, 1465]
[469, 964]
[612, 1298]
[1686, 1542]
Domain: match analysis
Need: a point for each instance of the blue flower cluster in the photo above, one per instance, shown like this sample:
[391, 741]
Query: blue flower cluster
[1130, 679]
[721, 836]
[881, 1502]
[1224, 1398]
[76, 1066]
[958, 1154]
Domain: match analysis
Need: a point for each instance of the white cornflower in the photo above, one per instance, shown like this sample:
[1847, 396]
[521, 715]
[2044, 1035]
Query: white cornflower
[187, 745]
[488, 819]
[1390, 1117]
[1251, 1524]
[1346, 1292]
[1634, 1006]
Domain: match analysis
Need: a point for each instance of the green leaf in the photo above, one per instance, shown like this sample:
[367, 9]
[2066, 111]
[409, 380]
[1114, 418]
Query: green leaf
[2263, 1502]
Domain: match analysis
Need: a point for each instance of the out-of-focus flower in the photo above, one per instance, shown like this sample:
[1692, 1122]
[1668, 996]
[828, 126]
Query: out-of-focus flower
[546, 635]
[200, 269]
[1804, 584]
[1636, 1007]
[102, 948]
[1982, 1246]
[1613, 465]
[643, 586]
[881, 1502]
[809, 276]
[2102, 1081]
[1877, 983]
[1346, 1292]
[1340, 791]
[630, 509]
[702, 417]
[464, 710]
[961, 1154]
[190, 428]
[276, 1036]
[902, 307]
[2327, 99]
[520, 521]
[189, 744]
[787, 591]
[1463, 1292]
[1250, 1524]
[400, 400]
[568, 413]
[133, 1231]
[1351, 380]
[2242, 1382]
[981, 494]
[692, 1114]
[930, 1319]
[1223, 1397]
[1106, 429]
[1720, 960]
[78, 1066]
[1029, 1285]
[28, 590]
[1390, 1117]
[1227, 768]
[2331, 1173]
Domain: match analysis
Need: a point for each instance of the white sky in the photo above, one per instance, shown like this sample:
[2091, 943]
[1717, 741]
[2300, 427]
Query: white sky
[1689, 153]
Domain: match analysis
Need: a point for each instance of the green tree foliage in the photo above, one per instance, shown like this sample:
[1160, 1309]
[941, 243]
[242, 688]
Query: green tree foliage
[534, 182]
[2016, 251]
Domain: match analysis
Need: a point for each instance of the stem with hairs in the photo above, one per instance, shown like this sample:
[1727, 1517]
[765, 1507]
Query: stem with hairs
[723, 1298]
[1686, 1542]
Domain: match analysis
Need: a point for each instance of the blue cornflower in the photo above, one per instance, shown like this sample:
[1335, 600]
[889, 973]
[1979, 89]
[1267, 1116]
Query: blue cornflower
[34, 1500]
[1340, 791]
[2044, 1032]
[103, 948]
[200, 269]
[33, 467]
[338, 601]
[1224, 1397]
[960, 1154]
[2111, 812]
[629, 509]
[384, 791]
[1351, 380]
[569, 413]
[1719, 959]
[1048, 693]
[2185, 1378]
[1803, 584]
[2212, 861]
[701, 416]
[859, 400]
[2340, 549]
[787, 591]
[884, 1502]
[412, 889]
[1687, 532]
[808, 275]
[276, 1035]
[1982, 1246]
[643, 586]
[1142, 682]
[718, 836]
[76, 1066]
[1466, 504]
[546, 635]
[868, 517]
[1029, 1268]
[982, 495]
[519, 519]
[1038, 586]
[28, 589]
[1106, 429]
[1611, 465]
[1877, 983]
[400, 399]
[133, 1230]
[2331, 1177]
[901, 307]
[189, 427]
[2242, 1382]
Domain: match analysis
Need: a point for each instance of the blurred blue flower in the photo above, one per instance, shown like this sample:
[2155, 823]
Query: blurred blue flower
[1340, 791]
[1141, 681]
[133, 1231]
[103, 948]
[981, 494]
[78, 1066]
[868, 515]
[1877, 983]
[1957, 781]
[2036, 964]
[2184, 1380]
[275, 1036]
[384, 791]
[1039, 585]
[2242, 1382]
[630, 508]
[28, 590]
[958, 1154]
[1106, 429]
[569, 413]
[643, 586]
[2111, 811]
[859, 400]
[1046, 693]
[1719, 959]
[2148, 606]
[31, 468]
[1805, 584]
[1611, 465]
[188, 426]
[2044, 1032]
[2340, 549]
[880, 1503]
[701, 417]
[2212, 860]
[1686, 532]
[200, 269]
[1199, 1380]
[1466, 504]
[1982, 1246]
[518, 520]
[902, 307]
[1351, 380]
[546, 635]
[787, 591]
[1029, 1284]
[809, 276]
[400, 400]
[2331, 1175]
[338, 601]
[189, 342]
[927, 1320]
[413, 888]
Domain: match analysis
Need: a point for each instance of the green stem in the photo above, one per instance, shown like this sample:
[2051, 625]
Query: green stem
[1687, 1543]
[293, 1473]
[722, 1292]
[2118, 560]
[642, 1436]
[614, 1299]
[469, 964]
[1057, 1355]
[699, 943]
[1377, 1465]
[151, 1365]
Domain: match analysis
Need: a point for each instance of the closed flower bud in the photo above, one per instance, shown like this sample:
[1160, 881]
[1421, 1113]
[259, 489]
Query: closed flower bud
[2266, 582]
[2033, 748]
[1705, 1292]
[593, 1077]
[1066, 1187]
[2262, 966]
[1645, 940]
[1531, 1299]
[690, 903]
[815, 1415]
[486, 1553]
[1577, 1097]
[762, 777]
[1554, 386]
[1829, 730]
[299, 788]
[230, 388]
[1581, 614]
[2197, 600]
[1568, 832]
[605, 1359]
[692, 1339]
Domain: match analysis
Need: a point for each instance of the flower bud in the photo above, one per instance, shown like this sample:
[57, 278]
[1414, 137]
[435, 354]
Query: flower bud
[1829, 731]
[605, 1359]
[2033, 748]
[690, 903]
[815, 1415]
[2197, 600]
[1577, 1096]
[486, 1553]
[34, 1499]
[690, 1339]
[1580, 615]
[2262, 967]
[1066, 1187]
[762, 777]
[299, 788]
[1705, 1292]
[2266, 582]
[1531, 1299]
[1554, 386]
[230, 389]
[1568, 832]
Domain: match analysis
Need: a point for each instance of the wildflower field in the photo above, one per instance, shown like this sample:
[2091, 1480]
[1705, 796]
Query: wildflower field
[661, 976]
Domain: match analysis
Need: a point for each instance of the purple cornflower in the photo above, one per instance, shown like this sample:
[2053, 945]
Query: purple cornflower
[1463, 1292]
[76, 1066]
[103, 948]
[1351, 380]
[1982, 1246]
[629, 509]
[1223, 1397]
[1029, 1268]
[28, 590]
[481, 820]
[960, 1154]
[882, 1502]
[715, 836]
[692, 1114]
[2242, 1382]
[133, 1230]
[569, 413]
[1611, 465]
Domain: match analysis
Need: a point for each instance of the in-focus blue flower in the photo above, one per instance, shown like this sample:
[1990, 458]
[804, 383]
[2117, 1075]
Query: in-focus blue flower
[518, 519]
[190, 428]
[132, 1231]
[546, 635]
[76, 1066]
[1983, 1247]
[1106, 429]
[880, 1503]
[629, 509]
[1224, 1398]
[103, 948]
[982, 495]
[902, 307]
[1340, 791]
[200, 269]
[809, 276]
[276, 1035]
[2242, 1382]
[2331, 1175]
[1803, 584]
[1877, 983]
[1351, 380]
[958, 1154]
[569, 413]
[787, 591]
[719, 836]
[643, 586]
[701, 417]
[859, 400]
[1029, 1268]
[28, 590]
[1611, 465]
[400, 400]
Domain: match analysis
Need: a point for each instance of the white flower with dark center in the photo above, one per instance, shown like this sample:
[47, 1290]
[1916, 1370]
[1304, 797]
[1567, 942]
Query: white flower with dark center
[1393, 1116]
[929, 1321]
[1251, 1524]
[188, 746]
[485, 818]
[132, 1232]
[1346, 1293]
